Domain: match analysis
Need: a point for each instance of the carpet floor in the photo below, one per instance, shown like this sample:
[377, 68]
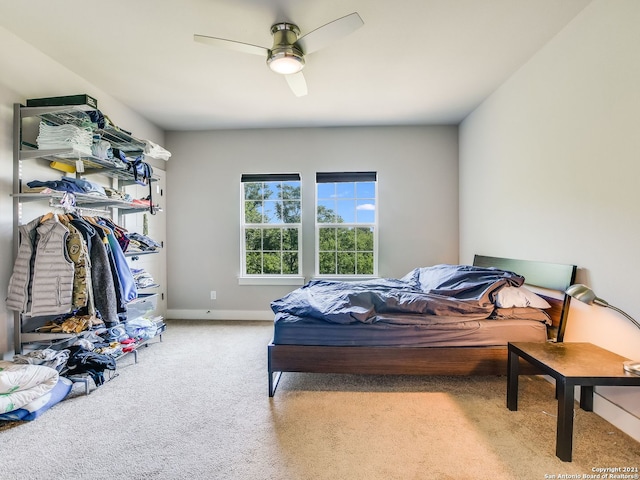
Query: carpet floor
[196, 406]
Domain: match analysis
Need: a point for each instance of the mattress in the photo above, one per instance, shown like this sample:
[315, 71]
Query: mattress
[292, 330]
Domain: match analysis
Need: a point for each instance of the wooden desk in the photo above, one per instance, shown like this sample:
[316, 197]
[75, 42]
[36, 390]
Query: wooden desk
[570, 364]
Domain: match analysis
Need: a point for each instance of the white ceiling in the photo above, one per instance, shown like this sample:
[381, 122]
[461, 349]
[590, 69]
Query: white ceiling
[413, 61]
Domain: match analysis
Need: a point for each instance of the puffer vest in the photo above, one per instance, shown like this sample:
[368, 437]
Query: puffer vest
[18, 294]
[42, 279]
[52, 282]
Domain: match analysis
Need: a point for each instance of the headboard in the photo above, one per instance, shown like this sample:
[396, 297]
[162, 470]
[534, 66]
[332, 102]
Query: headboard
[550, 276]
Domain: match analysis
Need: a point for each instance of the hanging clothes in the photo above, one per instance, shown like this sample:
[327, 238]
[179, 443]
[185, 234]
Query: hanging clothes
[129, 291]
[101, 231]
[71, 264]
[79, 254]
[104, 290]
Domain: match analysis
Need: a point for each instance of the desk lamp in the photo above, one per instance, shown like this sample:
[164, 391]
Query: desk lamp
[586, 295]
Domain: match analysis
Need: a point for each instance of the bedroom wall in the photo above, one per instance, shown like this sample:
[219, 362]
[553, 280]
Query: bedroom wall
[418, 204]
[549, 170]
[28, 73]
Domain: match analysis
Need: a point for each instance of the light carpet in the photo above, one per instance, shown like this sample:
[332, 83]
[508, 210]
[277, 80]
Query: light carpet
[196, 406]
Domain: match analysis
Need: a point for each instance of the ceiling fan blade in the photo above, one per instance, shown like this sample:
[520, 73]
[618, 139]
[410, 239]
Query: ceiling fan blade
[297, 84]
[324, 35]
[232, 45]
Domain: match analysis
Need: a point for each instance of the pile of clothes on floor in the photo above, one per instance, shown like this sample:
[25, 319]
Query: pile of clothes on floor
[38, 379]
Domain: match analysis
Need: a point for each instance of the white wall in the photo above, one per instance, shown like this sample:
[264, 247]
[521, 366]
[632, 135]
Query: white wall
[28, 73]
[550, 168]
[418, 204]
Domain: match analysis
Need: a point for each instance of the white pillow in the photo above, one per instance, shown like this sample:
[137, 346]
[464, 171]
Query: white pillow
[509, 297]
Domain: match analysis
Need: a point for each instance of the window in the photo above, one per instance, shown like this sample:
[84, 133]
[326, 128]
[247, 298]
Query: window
[346, 223]
[271, 229]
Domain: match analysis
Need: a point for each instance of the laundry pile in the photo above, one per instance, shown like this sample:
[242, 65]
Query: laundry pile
[34, 374]
[37, 380]
[82, 357]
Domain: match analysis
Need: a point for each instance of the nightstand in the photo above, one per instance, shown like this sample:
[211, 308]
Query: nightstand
[570, 364]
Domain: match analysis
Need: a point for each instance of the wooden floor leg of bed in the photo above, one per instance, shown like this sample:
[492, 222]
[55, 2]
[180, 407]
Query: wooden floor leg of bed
[273, 384]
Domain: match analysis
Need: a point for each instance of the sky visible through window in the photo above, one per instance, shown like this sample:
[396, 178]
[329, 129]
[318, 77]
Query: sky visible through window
[352, 202]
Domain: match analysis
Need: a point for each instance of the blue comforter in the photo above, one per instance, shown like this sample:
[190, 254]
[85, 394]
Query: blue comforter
[442, 290]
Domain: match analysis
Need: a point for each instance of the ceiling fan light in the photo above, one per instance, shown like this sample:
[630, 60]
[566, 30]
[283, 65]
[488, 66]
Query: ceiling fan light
[285, 62]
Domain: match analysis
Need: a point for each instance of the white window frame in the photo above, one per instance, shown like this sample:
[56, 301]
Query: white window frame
[268, 278]
[347, 177]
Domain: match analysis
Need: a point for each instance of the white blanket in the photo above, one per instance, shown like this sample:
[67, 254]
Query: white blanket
[21, 384]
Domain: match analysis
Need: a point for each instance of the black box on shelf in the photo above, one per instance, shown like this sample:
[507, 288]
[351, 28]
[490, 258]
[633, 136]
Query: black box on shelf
[71, 100]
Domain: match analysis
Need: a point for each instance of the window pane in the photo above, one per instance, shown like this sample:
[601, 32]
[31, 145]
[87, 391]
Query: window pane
[271, 212]
[326, 190]
[254, 263]
[365, 263]
[253, 191]
[366, 190]
[290, 239]
[364, 239]
[271, 263]
[290, 263]
[345, 190]
[366, 211]
[326, 211]
[291, 190]
[347, 211]
[290, 211]
[327, 239]
[346, 239]
[327, 263]
[346, 263]
[252, 212]
[253, 239]
[271, 239]
[271, 190]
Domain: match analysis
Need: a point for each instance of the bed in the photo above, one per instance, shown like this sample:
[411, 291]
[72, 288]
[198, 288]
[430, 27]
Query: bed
[405, 334]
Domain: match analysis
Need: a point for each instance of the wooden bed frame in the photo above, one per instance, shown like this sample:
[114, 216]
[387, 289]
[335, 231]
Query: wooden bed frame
[430, 360]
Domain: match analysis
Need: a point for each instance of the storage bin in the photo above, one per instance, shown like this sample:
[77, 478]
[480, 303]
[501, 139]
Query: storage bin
[143, 305]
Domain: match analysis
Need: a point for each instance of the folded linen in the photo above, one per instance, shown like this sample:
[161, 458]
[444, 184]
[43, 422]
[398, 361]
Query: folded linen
[37, 407]
[21, 384]
[65, 136]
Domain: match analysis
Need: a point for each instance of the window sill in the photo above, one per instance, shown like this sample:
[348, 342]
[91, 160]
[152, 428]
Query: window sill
[279, 280]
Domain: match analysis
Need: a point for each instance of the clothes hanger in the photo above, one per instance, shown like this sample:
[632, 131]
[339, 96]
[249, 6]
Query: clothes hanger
[93, 221]
[46, 216]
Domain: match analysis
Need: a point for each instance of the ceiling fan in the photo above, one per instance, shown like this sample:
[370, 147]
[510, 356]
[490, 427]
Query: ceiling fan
[287, 55]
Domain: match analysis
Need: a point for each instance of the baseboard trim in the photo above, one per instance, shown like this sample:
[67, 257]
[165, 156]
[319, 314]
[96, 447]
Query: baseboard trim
[616, 415]
[611, 412]
[212, 314]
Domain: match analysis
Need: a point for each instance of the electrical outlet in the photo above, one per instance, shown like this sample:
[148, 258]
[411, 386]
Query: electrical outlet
[213, 294]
